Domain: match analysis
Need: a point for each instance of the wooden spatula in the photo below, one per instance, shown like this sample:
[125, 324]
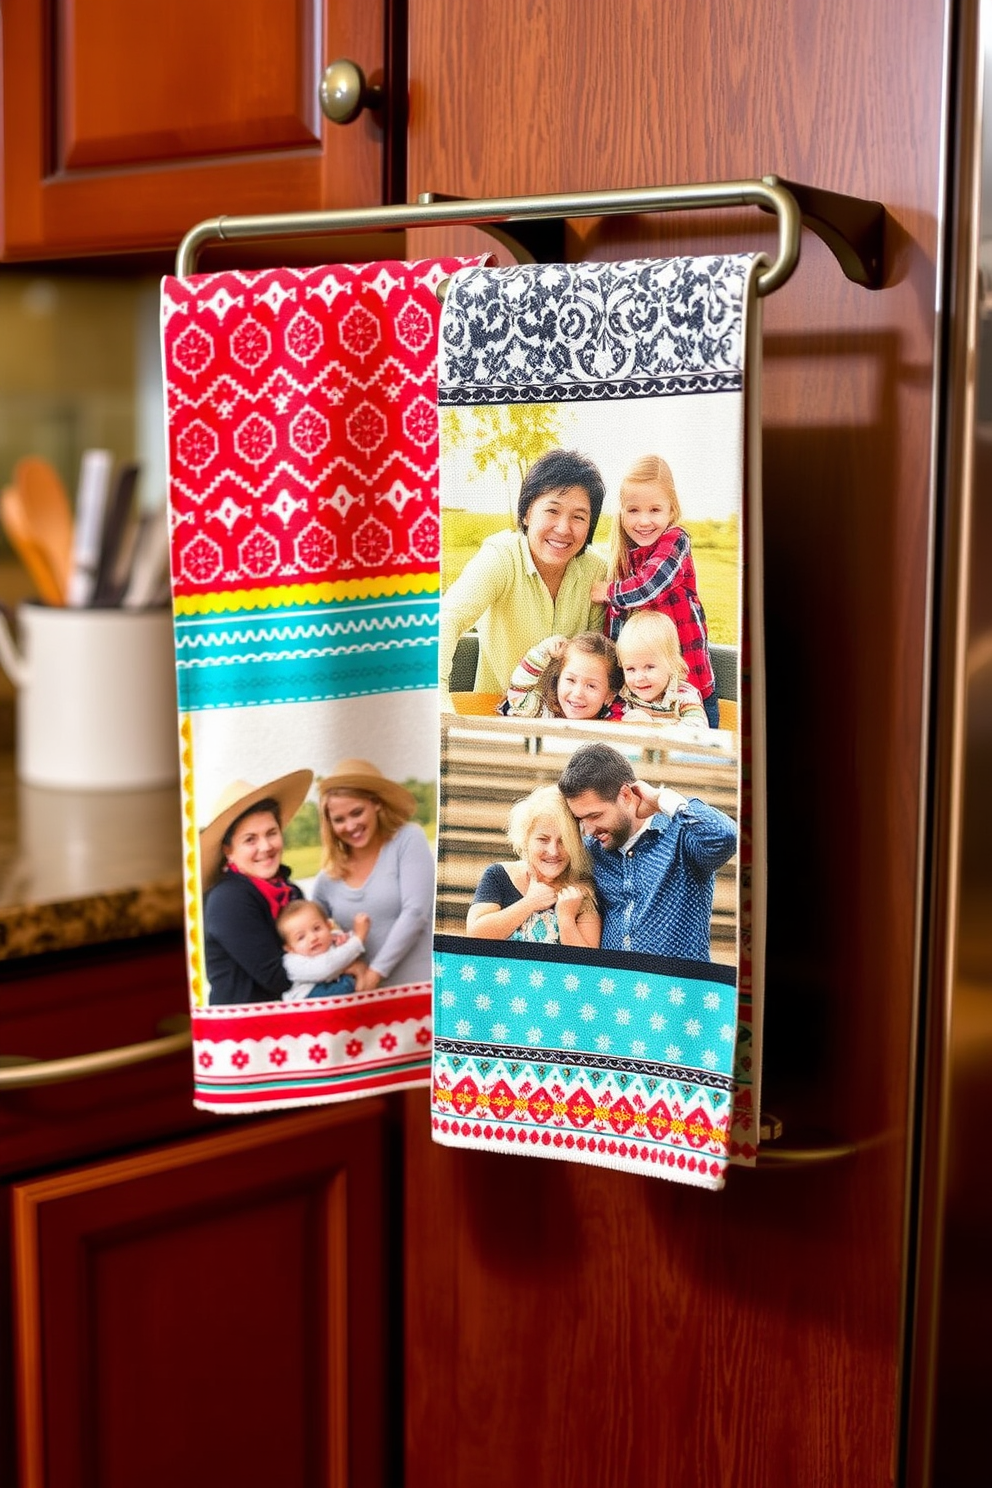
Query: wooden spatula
[48, 513]
[21, 539]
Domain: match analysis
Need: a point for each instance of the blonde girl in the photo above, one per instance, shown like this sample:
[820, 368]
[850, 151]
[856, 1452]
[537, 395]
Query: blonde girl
[654, 672]
[577, 678]
[547, 894]
[651, 567]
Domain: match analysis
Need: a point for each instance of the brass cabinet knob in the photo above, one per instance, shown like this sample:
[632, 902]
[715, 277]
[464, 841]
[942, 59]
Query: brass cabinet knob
[344, 92]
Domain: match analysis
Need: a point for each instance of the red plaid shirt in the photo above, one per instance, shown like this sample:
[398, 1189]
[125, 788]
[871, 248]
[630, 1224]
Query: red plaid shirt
[663, 577]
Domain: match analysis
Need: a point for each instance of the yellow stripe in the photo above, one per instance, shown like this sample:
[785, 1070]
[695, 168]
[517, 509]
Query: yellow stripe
[194, 936]
[307, 594]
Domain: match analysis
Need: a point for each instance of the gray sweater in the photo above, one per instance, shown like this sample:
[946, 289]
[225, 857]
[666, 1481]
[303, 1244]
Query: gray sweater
[398, 897]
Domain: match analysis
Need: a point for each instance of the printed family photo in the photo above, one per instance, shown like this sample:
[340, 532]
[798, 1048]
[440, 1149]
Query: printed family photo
[317, 856]
[589, 659]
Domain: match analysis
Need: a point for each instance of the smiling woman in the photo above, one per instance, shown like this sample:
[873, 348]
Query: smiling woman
[534, 582]
[246, 886]
[377, 863]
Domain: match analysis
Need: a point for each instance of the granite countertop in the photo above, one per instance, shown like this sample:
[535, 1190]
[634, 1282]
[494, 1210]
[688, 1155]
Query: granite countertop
[81, 867]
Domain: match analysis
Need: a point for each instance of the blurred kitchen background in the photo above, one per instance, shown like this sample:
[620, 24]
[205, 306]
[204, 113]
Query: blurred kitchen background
[80, 368]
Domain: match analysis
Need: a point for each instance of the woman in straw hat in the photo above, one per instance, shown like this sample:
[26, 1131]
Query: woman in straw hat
[377, 861]
[246, 884]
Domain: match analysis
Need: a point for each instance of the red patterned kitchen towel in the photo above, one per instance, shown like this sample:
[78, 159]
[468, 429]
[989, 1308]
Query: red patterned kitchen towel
[302, 445]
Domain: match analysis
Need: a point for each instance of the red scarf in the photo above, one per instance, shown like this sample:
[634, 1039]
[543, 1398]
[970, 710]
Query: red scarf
[275, 891]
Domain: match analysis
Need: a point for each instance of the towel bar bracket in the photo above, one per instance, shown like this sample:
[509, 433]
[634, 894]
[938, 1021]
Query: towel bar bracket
[852, 228]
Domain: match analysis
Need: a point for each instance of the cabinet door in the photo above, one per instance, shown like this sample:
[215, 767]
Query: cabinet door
[210, 1312]
[584, 1327]
[125, 124]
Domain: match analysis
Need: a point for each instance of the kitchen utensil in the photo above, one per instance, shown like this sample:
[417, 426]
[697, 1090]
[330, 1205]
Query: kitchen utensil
[150, 563]
[96, 697]
[49, 514]
[21, 539]
[91, 505]
[109, 584]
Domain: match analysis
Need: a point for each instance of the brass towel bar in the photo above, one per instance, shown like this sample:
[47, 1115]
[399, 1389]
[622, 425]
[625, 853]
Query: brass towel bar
[852, 228]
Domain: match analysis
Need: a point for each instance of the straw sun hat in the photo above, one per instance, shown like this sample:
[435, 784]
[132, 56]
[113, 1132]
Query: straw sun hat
[289, 791]
[359, 774]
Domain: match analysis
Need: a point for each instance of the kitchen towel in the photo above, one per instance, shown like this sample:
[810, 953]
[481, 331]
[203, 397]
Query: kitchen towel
[302, 446]
[597, 938]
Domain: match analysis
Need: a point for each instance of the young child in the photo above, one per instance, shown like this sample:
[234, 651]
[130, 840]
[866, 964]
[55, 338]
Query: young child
[319, 958]
[654, 673]
[567, 678]
[651, 568]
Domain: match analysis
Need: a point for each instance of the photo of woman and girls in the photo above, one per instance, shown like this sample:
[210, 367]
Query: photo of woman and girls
[570, 631]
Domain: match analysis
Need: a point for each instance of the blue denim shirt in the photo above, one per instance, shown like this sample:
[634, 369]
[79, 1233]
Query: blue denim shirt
[657, 894]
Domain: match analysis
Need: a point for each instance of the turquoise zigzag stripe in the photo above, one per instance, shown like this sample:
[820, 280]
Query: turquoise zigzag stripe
[306, 653]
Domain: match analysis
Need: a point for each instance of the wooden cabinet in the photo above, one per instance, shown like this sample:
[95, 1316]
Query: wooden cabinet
[208, 1309]
[123, 127]
[584, 1327]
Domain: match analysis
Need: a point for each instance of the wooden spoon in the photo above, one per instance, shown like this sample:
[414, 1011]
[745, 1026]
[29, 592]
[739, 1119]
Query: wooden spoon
[22, 540]
[48, 513]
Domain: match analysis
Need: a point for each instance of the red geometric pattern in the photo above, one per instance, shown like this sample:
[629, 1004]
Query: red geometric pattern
[601, 1151]
[566, 1116]
[274, 1055]
[302, 424]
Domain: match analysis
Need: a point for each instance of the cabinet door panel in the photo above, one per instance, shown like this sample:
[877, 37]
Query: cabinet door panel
[209, 1312]
[123, 125]
[123, 100]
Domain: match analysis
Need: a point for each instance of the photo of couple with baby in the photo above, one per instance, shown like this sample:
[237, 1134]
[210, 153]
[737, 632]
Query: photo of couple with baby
[568, 638]
[366, 921]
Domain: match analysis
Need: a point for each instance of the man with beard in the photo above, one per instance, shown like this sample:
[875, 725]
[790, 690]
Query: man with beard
[654, 855]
